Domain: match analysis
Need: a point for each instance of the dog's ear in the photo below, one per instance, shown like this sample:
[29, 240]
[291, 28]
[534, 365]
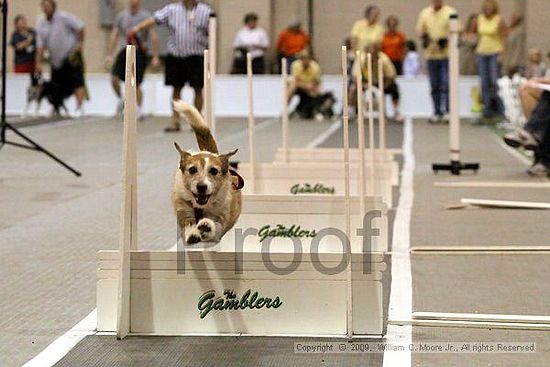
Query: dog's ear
[183, 154]
[225, 160]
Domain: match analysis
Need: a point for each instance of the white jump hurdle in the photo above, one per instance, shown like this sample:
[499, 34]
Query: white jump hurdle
[386, 165]
[303, 176]
[205, 292]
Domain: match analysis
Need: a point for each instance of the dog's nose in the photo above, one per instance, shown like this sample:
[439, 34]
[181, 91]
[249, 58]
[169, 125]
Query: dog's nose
[201, 188]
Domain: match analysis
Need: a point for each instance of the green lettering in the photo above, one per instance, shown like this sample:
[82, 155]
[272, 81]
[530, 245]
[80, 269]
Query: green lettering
[205, 303]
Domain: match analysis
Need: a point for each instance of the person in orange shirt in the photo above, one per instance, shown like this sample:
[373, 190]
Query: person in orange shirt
[393, 43]
[291, 42]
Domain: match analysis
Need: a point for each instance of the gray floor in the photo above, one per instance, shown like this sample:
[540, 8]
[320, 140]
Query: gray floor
[52, 224]
[214, 351]
[514, 284]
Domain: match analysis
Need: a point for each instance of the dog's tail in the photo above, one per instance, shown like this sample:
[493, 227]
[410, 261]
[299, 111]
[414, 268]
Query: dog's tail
[202, 131]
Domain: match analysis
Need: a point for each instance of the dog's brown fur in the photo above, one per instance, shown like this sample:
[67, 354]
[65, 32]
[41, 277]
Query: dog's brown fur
[220, 201]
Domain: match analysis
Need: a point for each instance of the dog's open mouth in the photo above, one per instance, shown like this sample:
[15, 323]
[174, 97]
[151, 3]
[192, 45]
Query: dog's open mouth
[202, 199]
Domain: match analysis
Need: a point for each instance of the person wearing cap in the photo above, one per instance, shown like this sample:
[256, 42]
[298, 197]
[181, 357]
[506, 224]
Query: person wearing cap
[292, 41]
[306, 83]
[252, 39]
[389, 72]
[124, 21]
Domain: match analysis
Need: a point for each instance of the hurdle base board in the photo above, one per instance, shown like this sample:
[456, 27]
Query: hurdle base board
[310, 213]
[384, 160]
[166, 302]
[279, 179]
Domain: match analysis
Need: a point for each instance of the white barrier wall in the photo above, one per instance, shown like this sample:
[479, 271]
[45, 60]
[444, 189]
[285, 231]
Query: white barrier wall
[231, 99]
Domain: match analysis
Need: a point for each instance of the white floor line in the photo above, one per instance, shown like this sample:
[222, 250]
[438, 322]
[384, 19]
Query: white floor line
[401, 279]
[324, 135]
[62, 345]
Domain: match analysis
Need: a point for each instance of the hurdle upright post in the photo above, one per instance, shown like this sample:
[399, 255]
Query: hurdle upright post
[381, 109]
[360, 129]
[128, 210]
[251, 124]
[213, 47]
[345, 124]
[206, 88]
[455, 166]
[372, 146]
[284, 73]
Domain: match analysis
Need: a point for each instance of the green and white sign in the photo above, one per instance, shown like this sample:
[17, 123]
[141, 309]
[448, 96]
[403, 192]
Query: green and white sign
[208, 301]
[307, 188]
[280, 230]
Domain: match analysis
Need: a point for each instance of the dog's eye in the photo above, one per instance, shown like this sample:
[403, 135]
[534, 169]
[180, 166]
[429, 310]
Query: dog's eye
[213, 171]
[192, 170]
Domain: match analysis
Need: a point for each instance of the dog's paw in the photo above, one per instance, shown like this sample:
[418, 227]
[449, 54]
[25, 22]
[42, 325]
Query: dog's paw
[192, 235]
[207, 229]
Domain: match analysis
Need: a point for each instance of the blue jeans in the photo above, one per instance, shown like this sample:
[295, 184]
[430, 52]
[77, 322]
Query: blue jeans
[439, 81]
[487, 67]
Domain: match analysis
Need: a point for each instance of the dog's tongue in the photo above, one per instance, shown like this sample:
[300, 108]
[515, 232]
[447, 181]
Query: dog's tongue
[202, 199]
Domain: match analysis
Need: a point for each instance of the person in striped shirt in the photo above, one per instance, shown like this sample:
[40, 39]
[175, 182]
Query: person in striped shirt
[187, 21]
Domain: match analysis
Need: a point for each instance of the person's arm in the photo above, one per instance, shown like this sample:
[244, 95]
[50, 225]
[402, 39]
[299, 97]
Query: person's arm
[155, 46]
[21, 45]
[421, 25]
[263, 43]
[389, 72]
[80, 37]
[112, 46]
[503, 32]
[238, 42]
[77, 26]
[354, 36]
[38, 59]
[280, 43]
[40, 43]
[145, 25]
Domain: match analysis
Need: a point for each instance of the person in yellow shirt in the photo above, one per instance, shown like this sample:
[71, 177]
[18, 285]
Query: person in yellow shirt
[433, 27]
[306, 84]
[491, 29]
[367, 30]
[389, 72]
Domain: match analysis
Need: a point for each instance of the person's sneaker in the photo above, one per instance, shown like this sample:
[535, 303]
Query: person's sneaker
[172, 128]
[513, 139]
[521, 137]
[538, 170]
[397, 118]
[529, 141]
[435, 119]
[319, 117]
[79, 113]
[445, 118]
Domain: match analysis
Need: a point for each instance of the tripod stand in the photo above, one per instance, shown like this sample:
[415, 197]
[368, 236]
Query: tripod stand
[4, 125]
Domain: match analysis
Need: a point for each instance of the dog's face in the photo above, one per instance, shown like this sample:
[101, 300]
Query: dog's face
[204, 173]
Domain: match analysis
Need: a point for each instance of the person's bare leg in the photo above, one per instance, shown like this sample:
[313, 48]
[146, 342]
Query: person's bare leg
[139, 96]
[291, 91]
[80, 94]
[529, 97]
[175, 125]
[198, 101]
[352, 98]
[115, 83]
